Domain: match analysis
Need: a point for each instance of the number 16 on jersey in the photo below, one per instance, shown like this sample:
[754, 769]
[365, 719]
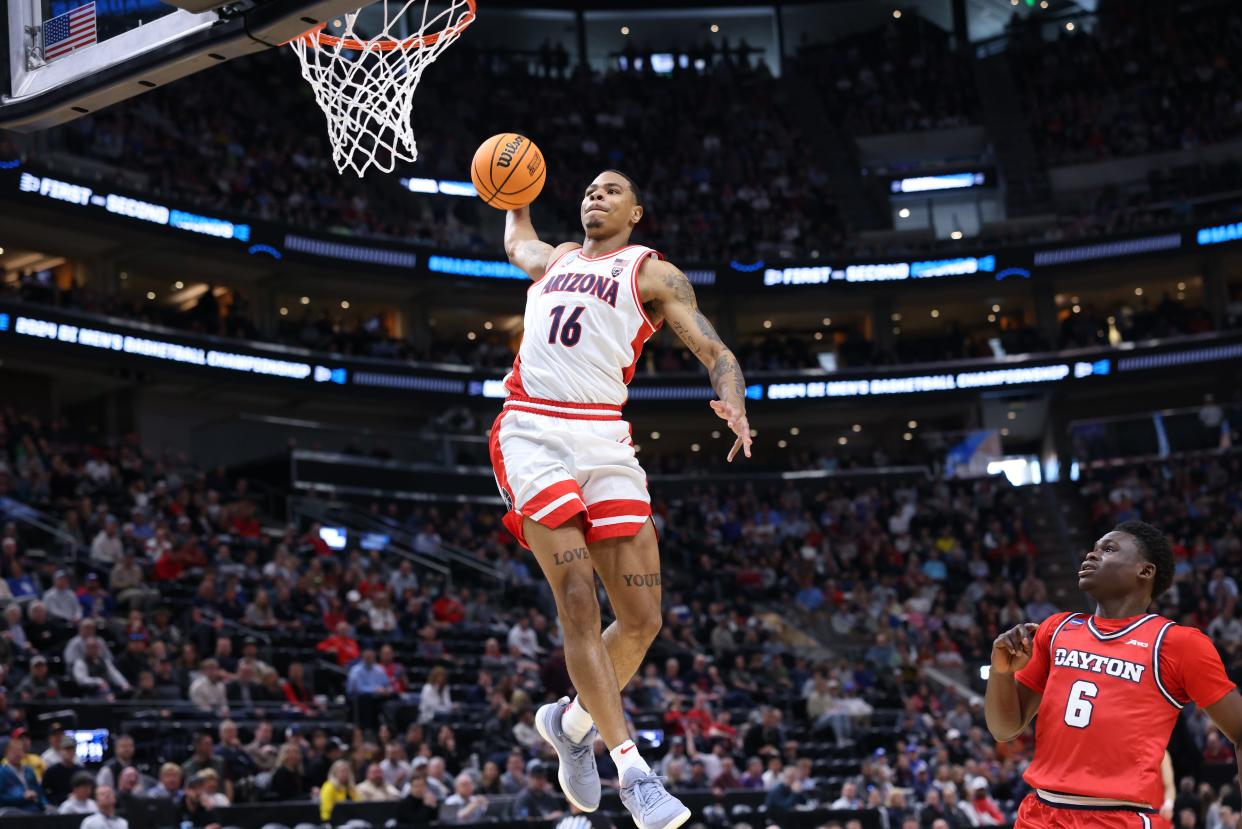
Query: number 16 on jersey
[571, 331]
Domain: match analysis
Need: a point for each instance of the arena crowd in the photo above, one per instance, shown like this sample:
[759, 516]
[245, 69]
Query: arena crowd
[284, 670]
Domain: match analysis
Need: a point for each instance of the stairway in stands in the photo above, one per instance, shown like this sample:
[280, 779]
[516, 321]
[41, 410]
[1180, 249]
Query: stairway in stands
[1079, 533]
[859, 202]
[1059, 527]
[1028, 188]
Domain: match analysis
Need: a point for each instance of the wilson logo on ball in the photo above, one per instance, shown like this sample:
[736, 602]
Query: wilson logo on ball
[506, 155]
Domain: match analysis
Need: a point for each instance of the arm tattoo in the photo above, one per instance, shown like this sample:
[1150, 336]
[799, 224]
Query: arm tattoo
[531, 254]
[679, 286]
[706, 331]
[641, 579]
[727, 379]
[535, 249]
[683, 293]
[703, 341]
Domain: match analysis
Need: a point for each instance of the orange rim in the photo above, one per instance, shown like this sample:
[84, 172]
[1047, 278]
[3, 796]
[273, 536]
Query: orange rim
[315, 36]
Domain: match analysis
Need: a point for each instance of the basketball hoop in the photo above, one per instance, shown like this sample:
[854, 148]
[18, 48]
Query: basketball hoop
[365, 85]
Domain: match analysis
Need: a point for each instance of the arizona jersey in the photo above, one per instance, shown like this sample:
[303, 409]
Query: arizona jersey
[1112, 691]
[585, 328]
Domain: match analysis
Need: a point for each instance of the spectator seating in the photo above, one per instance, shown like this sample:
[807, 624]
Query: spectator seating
[900, 572]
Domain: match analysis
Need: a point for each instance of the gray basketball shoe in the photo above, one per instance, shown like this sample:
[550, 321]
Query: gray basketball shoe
[650, 804]
[577, 772]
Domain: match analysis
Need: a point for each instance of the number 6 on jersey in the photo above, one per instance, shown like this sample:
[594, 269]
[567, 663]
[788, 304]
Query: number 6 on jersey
[1078, 707]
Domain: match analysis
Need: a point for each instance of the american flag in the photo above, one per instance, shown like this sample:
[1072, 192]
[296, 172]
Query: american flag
[71, 30]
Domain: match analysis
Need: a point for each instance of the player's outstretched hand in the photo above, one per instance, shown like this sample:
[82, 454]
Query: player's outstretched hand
[1012, 649]
[738, 423]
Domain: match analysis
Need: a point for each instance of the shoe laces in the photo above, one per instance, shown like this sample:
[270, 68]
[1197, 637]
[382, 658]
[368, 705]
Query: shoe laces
[580, 753]
[649, 790]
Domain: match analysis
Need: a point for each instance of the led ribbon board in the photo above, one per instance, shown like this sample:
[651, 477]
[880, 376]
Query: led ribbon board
[1107, 250]
[880, 272]
[276, 241]
[1220, 234]
[929, 184]
[919, 383]
[157, 349]
[144, 211]
[17, 322]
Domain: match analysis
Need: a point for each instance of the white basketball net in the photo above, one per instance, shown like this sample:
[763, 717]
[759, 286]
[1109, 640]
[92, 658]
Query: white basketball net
[364, 83]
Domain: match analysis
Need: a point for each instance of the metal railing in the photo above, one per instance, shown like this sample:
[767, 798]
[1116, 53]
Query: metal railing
[246, 437]
[22, 513]
[1155, 434]
[337, 514]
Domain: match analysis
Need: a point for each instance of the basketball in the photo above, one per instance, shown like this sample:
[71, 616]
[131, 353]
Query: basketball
[508, 171]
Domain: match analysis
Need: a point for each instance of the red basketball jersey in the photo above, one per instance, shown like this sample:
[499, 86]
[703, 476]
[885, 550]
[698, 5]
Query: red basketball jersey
[1112, 690]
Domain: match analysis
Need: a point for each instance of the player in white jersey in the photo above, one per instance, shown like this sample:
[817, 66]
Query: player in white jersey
[564, 461]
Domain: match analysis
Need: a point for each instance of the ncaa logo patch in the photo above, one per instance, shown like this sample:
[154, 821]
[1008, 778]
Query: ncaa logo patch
[1077, 621]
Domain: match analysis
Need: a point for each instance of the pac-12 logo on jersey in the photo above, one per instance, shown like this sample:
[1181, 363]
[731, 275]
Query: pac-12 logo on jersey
[618, 265]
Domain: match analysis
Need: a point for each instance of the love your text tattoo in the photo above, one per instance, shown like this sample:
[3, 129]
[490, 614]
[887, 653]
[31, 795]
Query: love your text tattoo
[571, 555]
[641, 579]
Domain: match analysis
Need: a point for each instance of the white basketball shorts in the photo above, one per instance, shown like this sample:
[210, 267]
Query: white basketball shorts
[553, 460]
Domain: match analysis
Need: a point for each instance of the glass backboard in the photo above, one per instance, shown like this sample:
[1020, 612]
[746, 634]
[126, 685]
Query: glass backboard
[114, 17]
[65, 58]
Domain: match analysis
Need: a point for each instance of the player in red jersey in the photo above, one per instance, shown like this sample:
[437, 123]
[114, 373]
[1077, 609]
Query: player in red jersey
[1108, 689]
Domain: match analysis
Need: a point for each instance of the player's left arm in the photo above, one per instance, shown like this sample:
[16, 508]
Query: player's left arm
[1227, 715]
[662, 284]
[1198, 675]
